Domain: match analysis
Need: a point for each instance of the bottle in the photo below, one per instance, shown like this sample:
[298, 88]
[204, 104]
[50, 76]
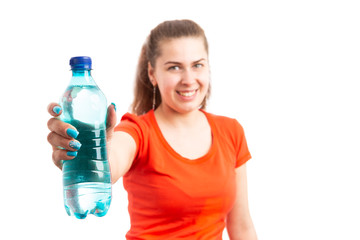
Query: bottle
[86, 178]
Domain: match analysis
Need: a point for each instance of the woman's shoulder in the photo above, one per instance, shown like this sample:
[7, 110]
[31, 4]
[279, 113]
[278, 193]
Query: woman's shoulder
[144, 118]
[230, 133]
[139, 121]
[224, 124]
[136, 118]
[221, 119]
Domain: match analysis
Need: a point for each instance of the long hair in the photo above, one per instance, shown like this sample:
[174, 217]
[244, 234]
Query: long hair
[144, 90]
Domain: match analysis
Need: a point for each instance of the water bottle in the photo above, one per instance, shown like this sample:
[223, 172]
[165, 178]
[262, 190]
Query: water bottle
[86, 178]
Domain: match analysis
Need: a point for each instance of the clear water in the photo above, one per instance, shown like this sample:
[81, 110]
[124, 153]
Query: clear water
[86, 198]
[86, 178]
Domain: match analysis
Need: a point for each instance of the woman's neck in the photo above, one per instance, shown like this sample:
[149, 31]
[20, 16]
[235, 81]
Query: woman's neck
[170, 117]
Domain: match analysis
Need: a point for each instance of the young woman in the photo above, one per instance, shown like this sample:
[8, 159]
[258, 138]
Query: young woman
[183, 168]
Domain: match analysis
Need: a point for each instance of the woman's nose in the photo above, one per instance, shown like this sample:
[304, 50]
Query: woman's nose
[188, 77]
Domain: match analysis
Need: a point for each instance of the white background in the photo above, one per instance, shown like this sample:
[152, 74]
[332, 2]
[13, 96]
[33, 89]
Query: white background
[287, 70]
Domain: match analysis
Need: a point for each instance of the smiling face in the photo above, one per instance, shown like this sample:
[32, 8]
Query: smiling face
[181, 73]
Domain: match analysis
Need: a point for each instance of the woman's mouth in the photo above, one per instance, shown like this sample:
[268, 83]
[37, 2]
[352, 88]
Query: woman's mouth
[187, 93]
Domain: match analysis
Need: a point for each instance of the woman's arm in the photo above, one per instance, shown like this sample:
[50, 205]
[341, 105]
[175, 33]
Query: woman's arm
[239, 223]
[122, 148]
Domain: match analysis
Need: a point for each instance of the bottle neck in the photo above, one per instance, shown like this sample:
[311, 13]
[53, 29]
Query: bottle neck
[82, 77]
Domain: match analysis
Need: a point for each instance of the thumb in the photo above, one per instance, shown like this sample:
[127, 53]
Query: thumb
[111, 118]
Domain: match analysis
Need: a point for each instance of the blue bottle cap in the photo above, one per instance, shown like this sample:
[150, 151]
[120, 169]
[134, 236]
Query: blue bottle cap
[82, 62]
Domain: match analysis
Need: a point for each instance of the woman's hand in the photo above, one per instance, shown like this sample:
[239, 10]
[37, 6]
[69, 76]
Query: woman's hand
[62, 136]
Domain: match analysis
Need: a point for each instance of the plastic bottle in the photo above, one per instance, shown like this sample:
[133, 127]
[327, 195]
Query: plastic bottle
[86, 178]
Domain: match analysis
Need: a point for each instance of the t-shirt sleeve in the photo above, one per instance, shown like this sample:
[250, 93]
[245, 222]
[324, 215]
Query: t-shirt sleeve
[242, 151]
[130, 124]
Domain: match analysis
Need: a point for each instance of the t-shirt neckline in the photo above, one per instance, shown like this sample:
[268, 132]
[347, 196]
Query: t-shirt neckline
[176, 154]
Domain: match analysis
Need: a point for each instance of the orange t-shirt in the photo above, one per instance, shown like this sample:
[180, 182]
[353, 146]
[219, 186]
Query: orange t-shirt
[172, 197]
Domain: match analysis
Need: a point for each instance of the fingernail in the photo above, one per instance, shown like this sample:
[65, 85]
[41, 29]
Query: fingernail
[56, 109]
[75, 144]
[72, 133]
[71, 154]
[114, 106]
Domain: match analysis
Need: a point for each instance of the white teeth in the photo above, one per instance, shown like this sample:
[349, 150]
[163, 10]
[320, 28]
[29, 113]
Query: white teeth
[187, 94]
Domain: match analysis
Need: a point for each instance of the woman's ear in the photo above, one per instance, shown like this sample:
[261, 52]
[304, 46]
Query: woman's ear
[151, 74]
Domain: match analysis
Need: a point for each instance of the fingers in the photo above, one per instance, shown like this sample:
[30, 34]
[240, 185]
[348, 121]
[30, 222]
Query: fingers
[111, 120]
[63, 148]
[62, 137]
[64, 143]
[54, 109]
[111, 116]
[61, 128]
[59, 155]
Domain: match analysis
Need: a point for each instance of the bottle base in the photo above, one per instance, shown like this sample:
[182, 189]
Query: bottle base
[87, 198]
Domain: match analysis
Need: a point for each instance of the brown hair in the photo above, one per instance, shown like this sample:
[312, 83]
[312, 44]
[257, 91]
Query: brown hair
[143, 100]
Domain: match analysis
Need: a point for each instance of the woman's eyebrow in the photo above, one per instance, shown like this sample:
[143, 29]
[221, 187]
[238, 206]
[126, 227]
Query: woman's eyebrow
[179, 63]
[201, 59]
[171, 62]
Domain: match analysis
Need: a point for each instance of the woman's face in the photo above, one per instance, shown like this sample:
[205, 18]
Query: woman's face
[182, 74]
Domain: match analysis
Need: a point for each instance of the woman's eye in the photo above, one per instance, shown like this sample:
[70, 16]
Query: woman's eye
[176, 68]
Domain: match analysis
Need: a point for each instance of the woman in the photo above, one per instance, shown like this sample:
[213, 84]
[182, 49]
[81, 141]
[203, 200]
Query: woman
[183, 168]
